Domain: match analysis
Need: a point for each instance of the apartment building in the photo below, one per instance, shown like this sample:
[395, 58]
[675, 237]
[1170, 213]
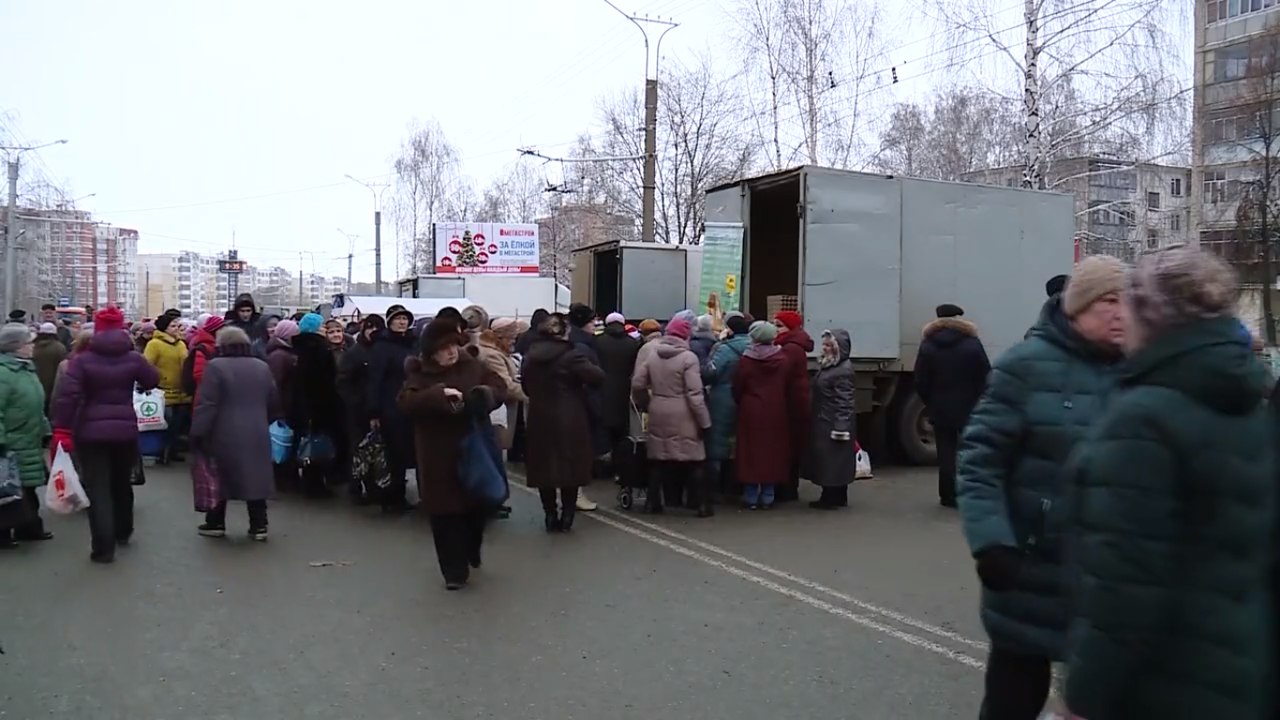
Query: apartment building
[1122, 208]
[65, 257]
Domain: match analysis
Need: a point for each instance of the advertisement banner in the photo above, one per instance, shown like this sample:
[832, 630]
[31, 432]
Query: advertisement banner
[486, 248]
[721, 271]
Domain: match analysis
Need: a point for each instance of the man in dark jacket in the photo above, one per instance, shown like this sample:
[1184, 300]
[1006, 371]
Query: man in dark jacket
[583, 337]
[244, 315]
[617, 351]
[950, 373]
[1042, 396]
[49, 314]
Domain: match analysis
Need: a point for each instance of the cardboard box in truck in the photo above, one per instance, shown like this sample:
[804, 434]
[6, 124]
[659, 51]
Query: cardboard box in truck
[876, 255]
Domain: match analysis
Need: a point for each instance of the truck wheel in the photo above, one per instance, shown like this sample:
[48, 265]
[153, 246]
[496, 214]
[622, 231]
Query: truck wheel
[915, 433]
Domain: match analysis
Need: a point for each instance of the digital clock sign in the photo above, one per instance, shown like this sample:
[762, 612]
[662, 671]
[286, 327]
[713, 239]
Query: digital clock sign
[232, 267]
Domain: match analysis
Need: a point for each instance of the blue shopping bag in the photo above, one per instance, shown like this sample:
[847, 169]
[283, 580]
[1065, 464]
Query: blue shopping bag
[281, 443]
[481, 472]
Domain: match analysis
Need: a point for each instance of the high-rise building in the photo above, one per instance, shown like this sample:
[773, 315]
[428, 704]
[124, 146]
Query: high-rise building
[68, 259]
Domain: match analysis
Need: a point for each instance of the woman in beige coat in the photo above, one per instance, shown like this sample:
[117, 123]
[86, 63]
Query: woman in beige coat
[669, 386]
[495, 344]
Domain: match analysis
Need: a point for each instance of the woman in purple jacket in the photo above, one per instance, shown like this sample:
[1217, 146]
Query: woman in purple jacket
[94, 405]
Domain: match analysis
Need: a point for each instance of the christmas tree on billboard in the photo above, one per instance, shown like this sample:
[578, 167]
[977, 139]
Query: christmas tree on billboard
[467, 254]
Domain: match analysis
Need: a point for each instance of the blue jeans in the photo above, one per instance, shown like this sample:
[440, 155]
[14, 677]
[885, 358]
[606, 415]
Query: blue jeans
[178, 418]
[757, 494]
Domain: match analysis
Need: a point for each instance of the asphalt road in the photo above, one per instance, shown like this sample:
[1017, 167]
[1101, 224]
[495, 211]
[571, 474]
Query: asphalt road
[867, 613]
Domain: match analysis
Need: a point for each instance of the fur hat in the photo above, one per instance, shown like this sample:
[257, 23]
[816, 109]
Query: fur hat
[162, 323]
[1094, 277]
[947, 310]
[475, 317]
[505, 328]
[14, 336]
[108, 318]
[396, 311]
[441, 331]
[790, 319]
[1056, 285]
[554, 325]
[763, 333]
[18, 316]
[1178, 285]
[650, 326]
[580, 315]
[679, 328]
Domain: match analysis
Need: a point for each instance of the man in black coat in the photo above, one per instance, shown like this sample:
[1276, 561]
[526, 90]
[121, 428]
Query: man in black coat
[950, 375]
[617, 351]
[582, 335]
[244, 315]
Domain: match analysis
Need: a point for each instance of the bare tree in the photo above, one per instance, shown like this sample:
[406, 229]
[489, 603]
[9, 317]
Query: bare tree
[427, 182]
[1122, 51]
[516, 196]
[904, 142]
[962, 130]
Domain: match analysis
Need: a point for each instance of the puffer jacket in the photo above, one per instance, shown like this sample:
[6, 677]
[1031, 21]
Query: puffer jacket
[669, 386]
[167, 353]
[1173, 509]
[717, 375]
[1042, 397]
[94, 399]
[23, 426]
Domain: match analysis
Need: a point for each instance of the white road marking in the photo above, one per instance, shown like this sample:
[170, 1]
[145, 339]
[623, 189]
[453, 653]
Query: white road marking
[628, 525]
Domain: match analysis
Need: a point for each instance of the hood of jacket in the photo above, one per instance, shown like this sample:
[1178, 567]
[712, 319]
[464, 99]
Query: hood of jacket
[669, 347]
[1054, 327]
[404, 339]
[114, 343]
[1206, 361]
[15, 363]
[770, 353]
[844, 344]
[164, 337]
[278, 344]
[203, 338]
[615, 329]
[797, 337]
[547, 350]
[947, 332]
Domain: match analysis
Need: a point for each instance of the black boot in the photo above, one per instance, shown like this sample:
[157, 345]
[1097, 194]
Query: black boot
[552, 521]
[566, 517]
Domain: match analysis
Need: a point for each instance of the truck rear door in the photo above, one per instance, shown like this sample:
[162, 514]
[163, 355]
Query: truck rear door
[851, 258]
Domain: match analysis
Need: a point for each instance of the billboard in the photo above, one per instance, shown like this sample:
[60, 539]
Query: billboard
[486, 248]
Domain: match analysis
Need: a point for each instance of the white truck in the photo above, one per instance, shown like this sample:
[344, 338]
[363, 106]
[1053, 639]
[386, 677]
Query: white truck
[514, 296]
[876, 255]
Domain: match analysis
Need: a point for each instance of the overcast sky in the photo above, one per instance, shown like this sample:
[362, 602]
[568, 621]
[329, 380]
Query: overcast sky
[191, 119]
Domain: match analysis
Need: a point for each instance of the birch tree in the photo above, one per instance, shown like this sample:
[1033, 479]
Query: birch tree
[427, 181]
[963, 129]
[1094, 76]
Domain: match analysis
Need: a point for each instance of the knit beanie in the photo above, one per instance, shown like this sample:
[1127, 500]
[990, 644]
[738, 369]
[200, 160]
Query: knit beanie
[285, 329]
[650, 326]
[310, 323]
[505, 328]
[108, 318]
[738, 324]
[615, 318]
[162, 323]
[704, 323]
[580, 314]
[687, 315]
[763, 333]
[212, 324]
[13, 336]
[679, 328]
[1094, 276]
[790, 319]
[1177, 286]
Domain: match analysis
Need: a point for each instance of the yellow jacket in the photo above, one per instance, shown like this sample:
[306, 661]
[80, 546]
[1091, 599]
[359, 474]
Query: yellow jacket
[167, 354]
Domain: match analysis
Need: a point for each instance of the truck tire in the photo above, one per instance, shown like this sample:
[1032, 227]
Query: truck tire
[915, 432]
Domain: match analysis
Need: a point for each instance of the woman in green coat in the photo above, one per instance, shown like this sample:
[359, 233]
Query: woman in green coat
[23, 428]
[1173, 511]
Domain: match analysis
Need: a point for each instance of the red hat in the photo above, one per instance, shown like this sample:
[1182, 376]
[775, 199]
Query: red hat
[108, 318]
[790, 319]
[679, 328]
[213, 324]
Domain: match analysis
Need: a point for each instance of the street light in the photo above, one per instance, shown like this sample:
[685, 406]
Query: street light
[377, 227]
[11, 220]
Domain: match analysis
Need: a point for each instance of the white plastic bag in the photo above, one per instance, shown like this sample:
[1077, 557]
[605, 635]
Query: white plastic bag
[65, 494]
[149, 407]
[863, 471]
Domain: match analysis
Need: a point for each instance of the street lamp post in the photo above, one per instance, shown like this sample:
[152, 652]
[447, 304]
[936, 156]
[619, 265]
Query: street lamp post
[11, 221]
[377, 191]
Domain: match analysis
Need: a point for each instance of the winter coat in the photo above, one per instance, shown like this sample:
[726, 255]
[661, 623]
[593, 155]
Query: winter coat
[599, 433]
[204, 347]
[94, 399]
[951, 371]
[796, 346]
[282, 360]
[387, 359]
[669, 387]
[236, 403]
[557, 377]
[617, 352]
[314, 406]
[831, 463]
[353, 378]
[1174, 510]
[253, 327]
[167, 353]
[701, 344]
[48, 354]
[646, 350]
[23, 426]
[494, 357]
[439, 426]
[718, 376]
[764, 390]
[1042, 397]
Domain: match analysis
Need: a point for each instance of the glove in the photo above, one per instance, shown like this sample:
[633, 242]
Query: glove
[840, 435]
[999, 567]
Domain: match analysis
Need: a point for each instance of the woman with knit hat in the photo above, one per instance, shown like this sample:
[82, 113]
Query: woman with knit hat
[1174, 510]
[312, 407]
[93, 416]
[718, 376]
[765, 392]
[167, 351]
[669, 388]
[203, 347]
[23, 429]
[391, 348]
[353, 379]
[444, 385]
[1042, 397]
[283, 361]
[796, 345]
[494, 345]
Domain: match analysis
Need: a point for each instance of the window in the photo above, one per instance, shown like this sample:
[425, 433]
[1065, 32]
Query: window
[1153, 239]
[1153, 201]
[1175, 187]
[1215, 186]
[1231, 63]
[1175, 223]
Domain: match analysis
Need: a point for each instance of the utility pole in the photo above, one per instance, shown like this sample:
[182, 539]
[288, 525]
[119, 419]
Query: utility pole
[650, 182]
[11, 223]
[377, 191]
[351, 253]
[299, 281]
